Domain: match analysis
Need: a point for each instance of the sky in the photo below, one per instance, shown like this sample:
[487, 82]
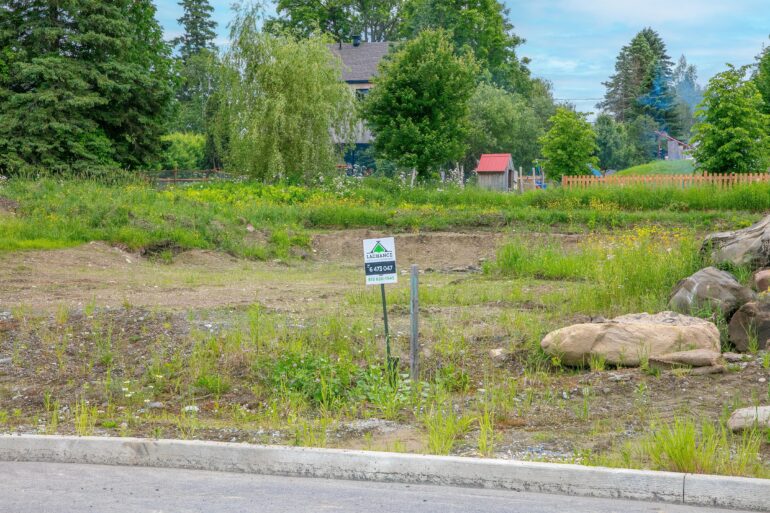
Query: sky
[574, 43]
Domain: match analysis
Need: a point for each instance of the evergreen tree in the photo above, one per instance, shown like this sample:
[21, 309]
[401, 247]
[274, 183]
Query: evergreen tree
[641, 84]
[87, 84]
[660, 102]
[199, 28]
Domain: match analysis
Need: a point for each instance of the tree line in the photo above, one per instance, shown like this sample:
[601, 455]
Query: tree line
[90, 87]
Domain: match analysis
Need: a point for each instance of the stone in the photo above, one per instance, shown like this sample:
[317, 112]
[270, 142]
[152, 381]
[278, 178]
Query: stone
[626, 340]
[747, 418]
[761, 280]
[156, 405]
[750, 321]
[711, 289]
[714, 369]
[692, 358]
[749, 246]
[733, 357]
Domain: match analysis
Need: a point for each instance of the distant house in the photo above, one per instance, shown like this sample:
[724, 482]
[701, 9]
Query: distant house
[496, 172]
[675, 149]
[360, 60]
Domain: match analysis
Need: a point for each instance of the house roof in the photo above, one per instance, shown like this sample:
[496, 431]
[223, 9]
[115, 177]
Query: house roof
[494, 163]
[359, 63]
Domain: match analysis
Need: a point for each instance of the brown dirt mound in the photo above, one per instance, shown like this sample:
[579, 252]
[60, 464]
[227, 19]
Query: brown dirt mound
[436, 250]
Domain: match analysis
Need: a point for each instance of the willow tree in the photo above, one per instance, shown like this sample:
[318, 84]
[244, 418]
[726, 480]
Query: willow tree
[284, 110]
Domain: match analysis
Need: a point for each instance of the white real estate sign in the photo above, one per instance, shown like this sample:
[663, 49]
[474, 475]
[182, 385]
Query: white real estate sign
[380, 261]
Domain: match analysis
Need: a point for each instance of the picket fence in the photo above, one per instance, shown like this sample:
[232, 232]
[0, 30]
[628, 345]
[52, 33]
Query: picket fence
[679, 181]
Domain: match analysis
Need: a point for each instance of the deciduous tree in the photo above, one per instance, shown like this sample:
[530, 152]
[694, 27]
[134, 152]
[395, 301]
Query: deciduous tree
[501, 122]
[732, 134]
[478, 26]
[418, 109]
[569, 147]
[283, 107]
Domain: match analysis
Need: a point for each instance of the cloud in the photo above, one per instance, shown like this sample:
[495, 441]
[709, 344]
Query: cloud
[649, 12]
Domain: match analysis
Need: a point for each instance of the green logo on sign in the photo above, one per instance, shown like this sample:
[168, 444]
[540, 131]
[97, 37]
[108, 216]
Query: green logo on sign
[379, 248]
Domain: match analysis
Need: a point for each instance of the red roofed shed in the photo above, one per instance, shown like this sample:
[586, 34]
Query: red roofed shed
[495, 171]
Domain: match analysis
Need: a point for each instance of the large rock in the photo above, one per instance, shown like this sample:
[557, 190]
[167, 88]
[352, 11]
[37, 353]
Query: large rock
[628, 339]
[710, 289]
[761, 280]
[748, 418]
[751, 321]
[691, 358]
[749, 246]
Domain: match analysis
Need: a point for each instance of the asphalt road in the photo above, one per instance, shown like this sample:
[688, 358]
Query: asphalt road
[53, 487]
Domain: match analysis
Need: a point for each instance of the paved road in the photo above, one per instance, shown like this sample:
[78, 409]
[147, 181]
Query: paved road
[59, 488]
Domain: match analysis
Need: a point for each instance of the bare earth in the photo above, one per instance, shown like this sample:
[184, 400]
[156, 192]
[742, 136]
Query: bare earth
[149, 299]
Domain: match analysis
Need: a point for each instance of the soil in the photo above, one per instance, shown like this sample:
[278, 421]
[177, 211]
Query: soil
[145, 301]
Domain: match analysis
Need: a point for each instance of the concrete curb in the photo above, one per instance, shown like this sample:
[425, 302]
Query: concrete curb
[727, 492]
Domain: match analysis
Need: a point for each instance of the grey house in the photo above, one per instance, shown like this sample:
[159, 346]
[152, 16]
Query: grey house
[360, 60]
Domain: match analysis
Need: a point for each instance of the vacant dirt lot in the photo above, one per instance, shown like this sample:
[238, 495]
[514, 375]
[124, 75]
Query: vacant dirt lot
[465, 315]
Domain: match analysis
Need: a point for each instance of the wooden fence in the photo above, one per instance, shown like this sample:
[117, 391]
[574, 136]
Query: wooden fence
[175, 176]
[678, 181]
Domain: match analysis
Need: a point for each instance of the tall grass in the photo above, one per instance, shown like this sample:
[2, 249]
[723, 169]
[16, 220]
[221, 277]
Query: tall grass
[693, 447]
[631, 271]
[56, 213]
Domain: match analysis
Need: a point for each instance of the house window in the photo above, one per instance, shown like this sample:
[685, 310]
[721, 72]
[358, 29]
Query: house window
[361, 93]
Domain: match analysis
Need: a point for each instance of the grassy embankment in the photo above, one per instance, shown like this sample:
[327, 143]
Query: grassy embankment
[660, 167]
[63, 213]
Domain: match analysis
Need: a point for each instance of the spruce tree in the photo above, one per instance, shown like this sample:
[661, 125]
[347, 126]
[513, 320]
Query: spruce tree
[199, 28]
[86, 84]
[641, 84]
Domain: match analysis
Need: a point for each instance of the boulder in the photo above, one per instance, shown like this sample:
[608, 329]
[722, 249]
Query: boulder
[761, 280]
[749, 246]
[747, 418]
[692, 358]
[711, 289]
[628, 339]
[750, 321]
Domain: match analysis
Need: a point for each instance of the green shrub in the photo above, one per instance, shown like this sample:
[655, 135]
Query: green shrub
[184, 151]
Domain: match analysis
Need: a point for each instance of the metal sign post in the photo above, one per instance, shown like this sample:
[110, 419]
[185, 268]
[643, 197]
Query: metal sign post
[414, 344]
[380, 269]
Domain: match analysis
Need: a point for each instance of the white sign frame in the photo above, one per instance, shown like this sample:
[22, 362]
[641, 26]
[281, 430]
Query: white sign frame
[380, 261]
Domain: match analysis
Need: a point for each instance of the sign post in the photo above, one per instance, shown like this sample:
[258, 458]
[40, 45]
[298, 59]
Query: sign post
[380, 269]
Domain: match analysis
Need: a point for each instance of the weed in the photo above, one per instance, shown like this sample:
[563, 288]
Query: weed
[444, 425]
[597, 362]
[85, 418]
[486, 432]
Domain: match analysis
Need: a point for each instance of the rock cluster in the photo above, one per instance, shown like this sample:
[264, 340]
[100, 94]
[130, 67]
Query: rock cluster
[678, 338]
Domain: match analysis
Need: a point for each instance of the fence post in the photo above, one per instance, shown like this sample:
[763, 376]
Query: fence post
[414, 310]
